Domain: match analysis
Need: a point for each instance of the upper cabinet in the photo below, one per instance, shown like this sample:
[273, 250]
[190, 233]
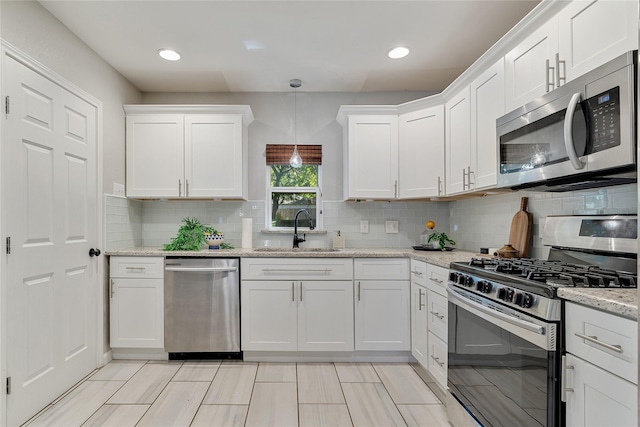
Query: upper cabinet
[581, 37]
[458, 142]
[187, 151]
[370, 154]
[421, 153]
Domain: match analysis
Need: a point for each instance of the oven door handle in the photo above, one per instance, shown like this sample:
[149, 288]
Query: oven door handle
[541, 330]
[568, 132]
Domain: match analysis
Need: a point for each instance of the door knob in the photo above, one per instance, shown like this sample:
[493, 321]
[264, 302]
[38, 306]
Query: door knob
[94, 252]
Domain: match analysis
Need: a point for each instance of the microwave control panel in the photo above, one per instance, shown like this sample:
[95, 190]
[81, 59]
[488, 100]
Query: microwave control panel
[604, 114]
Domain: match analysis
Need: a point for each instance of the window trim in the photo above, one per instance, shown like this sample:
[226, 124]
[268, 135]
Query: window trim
[268, 205]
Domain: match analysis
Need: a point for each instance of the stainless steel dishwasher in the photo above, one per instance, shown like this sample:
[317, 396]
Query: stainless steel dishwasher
[202, 307]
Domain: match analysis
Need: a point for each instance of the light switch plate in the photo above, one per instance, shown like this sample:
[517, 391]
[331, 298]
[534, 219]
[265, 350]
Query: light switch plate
[391, 227]
[364, 225]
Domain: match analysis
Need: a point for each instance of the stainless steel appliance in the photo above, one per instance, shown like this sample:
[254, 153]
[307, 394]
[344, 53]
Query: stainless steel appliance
[202, 307]
[580, 135]
[506, 321]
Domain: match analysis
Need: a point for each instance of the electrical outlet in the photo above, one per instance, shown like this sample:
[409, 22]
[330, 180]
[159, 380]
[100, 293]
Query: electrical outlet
[118, 189]
[391, 227]
[364, 225]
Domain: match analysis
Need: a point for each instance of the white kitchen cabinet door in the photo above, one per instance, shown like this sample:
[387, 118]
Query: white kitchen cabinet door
[438, 357]
[372, 152]
[487, 104]
[421, 153]
[325, 316]
[269, 315]
[155, 155]
[213, 156]
[458, 143]
[526, 74]
[597, 397]
[594, 32]
[137, 313]
[382, 315]
[437, 312]
[419, 344]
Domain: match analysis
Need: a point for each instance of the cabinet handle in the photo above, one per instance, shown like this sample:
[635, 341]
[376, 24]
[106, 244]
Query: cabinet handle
[417, 273]
[469, 172]
[135, 268]
[300, 291]
[291, 270]
[186, 188]
[437, 360]
[550, 70]
[436, 280]
[564, 388]
[293, 292]
[395, 188]
[439, 186]
[179, 188]
[111, 288]
[564, 66]
[438, 315]
[358, 291]
[464, 179]
[594, 339]
[420, 303]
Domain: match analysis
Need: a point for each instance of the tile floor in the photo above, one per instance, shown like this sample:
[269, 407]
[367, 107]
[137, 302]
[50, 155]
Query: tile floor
[233, 393]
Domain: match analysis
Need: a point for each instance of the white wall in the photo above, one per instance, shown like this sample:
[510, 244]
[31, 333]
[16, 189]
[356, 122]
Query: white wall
[274, 124]
[32, 29]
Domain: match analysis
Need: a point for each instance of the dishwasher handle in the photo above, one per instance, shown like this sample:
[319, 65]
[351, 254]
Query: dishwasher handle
[202, 269]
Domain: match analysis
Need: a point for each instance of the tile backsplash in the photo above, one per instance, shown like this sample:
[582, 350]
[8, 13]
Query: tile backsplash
[472, 223]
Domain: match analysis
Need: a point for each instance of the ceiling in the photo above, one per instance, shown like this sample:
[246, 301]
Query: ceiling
[258, 46]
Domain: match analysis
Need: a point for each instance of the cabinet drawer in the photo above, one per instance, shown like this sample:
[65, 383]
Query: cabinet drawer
[602, 331]
[381, 268]
[140, 267]
[438, 360]
[437, 279]
[419, 272]
[437, 308]
[296, 269]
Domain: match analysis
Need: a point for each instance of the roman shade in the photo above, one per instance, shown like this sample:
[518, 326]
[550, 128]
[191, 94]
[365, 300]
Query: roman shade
[279, 154]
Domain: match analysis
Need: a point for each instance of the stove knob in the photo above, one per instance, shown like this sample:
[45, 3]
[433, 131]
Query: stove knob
[468, 281]
[505, 294]
[460, 279]
[486, 287]
[524, 300]
[453, 277]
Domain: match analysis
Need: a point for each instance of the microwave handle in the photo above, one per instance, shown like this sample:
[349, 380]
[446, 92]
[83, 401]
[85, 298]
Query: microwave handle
[568, 135]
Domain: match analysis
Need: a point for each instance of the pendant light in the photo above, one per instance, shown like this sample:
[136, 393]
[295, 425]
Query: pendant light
[295, 160]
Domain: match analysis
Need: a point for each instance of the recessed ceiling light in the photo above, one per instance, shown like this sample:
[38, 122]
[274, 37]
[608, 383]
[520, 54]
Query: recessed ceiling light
[398, 52]
[169, 55]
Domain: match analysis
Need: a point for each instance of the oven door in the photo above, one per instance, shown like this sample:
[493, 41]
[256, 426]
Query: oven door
[502, 369]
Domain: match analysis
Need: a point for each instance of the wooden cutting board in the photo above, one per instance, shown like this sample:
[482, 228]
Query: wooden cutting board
[521, 228]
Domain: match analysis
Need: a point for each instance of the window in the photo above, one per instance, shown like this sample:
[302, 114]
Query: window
[291, 189]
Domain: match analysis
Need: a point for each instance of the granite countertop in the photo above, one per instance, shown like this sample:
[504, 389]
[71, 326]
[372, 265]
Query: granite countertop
[623, 302]
[442, 259]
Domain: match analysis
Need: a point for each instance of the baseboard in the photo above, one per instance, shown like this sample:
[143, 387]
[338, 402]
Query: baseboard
[106, 358]
[312, 356]
[139, 354]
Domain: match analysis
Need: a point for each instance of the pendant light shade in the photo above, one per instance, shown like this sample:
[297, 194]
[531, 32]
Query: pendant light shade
[295, 160]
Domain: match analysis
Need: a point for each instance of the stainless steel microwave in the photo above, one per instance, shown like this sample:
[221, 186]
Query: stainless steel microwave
[580, 135]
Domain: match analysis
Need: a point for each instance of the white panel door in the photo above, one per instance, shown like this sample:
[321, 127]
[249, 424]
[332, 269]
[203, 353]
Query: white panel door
[213, 155]
[421, 153]
[269, 317]
[373, 157]
[526, 73]
[155, 155]
[487, 104]
[594, 32]
[458, 142]
[599, 398]
[382, 315]
[137, 313]
[325, 316]
[50, 206]
[419, 343]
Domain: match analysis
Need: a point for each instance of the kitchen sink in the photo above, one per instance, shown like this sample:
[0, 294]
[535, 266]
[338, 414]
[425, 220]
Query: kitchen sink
[295, 250]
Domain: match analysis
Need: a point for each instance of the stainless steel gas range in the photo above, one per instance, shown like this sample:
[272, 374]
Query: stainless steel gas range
[506, 335]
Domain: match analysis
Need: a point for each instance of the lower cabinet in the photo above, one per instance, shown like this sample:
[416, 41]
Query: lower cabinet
[306, 315]
[136, 289]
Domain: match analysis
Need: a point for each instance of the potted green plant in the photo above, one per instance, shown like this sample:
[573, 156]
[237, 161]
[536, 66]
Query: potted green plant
[192, 236]
[441, 240]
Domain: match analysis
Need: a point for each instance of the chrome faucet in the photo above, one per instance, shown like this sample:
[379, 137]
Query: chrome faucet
[296, 239]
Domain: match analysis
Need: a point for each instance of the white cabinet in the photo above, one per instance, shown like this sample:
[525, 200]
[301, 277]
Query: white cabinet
[309, 311]
[187, 151]
[527, 67]
[458, 143]
[370, 155]
[581, 37]
[419, 343]
[421, 153]
[595, 31]
[382, 304]
[136, 288]
[487, 104]
[437, 323]
[599, 383]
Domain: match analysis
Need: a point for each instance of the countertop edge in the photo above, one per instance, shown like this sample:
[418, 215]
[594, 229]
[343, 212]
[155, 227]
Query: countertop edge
[621, 302]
